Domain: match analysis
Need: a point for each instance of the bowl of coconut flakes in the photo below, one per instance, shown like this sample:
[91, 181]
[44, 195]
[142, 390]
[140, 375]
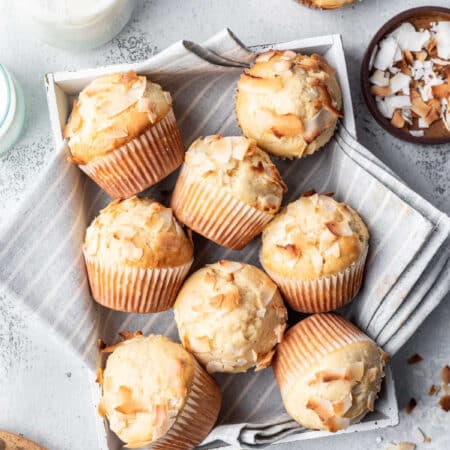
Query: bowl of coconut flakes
[405, 75]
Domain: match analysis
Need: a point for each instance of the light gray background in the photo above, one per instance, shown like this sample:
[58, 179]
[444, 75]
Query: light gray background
[44, 392]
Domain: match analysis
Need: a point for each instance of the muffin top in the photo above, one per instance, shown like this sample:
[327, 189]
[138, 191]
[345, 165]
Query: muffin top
[331, 389]
[144, 387]
[138, 232]
[111, 111]
[313, 237]
[231, 316]
[289, 103]
[327, 4]
[238, 165]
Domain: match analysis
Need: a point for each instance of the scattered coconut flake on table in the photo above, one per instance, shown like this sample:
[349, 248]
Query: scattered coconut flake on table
[411, 81]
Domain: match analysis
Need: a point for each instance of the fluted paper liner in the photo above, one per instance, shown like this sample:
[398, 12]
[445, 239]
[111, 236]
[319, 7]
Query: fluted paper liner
[306, 343]
[197, 417]
[214, 213]
[324, 294]
[140, 163]
[134, 289]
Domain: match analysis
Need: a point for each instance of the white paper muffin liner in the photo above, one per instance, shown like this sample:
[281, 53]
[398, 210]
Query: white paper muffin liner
[306, 343]
[134, 289]
[215, 213]
[324, 294]
[197, 417]
[140, 163]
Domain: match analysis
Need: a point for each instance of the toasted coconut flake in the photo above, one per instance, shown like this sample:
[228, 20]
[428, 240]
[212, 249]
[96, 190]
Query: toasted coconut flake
[441, 90]
[445, 375]
[100, 344]
[326, 239]
[230, 266]
[408, 57]
[308, 193]
[444, 402]
[418, 106]
[257, 85]
[264, 361]
[127, 335]
[131, 252]
[144, 104]
[414, 359]
[337, 423]
[283, 66]
[385, 56]
[266, 56]
[328, 375]
[339, 228]
[356, 371]
[397, 119]
[240, 149]
[316, 260]
[411, 405]
[380, 78]
[342, 406]
[290, 250]
[433, 390]
[382, 91]
[313, 127]
[282, 125]
[322, 407]
[288, 54]
[333, 251]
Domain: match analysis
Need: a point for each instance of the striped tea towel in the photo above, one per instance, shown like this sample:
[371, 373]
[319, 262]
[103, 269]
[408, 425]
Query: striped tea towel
[40, 246]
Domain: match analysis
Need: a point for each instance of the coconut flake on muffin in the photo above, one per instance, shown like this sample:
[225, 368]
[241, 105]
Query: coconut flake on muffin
[289, 103]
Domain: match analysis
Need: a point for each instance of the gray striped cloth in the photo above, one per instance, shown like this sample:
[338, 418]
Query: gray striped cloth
[407, 272]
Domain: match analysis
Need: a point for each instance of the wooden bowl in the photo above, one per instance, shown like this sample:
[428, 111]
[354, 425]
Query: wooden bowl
[388, 27]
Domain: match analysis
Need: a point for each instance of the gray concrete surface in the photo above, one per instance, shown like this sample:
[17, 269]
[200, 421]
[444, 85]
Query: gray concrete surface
[43, 390]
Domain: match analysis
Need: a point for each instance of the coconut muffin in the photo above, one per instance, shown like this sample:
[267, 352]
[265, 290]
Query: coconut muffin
[228, 190]
[289, 103]
[327, 4]
[230, 315]
[155, 392]
[137, 256]
[315, 250]
[122, 133]
[329, 372]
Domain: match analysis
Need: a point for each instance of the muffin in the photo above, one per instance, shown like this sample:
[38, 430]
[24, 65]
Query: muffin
[228, 190]
[329, 372]
[315, 250]
[155, 392]
[230, 315]
[289, 103]
[122, 133]
[327, 4]
[137, 256]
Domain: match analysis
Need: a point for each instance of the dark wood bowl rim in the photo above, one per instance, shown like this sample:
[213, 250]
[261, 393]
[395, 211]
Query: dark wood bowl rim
[365, 84]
